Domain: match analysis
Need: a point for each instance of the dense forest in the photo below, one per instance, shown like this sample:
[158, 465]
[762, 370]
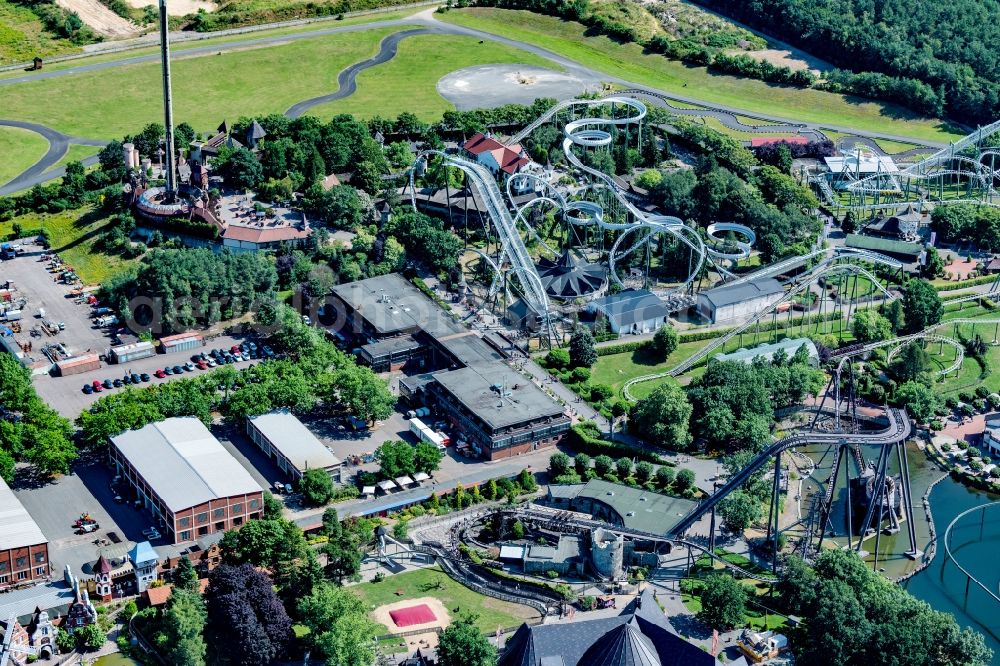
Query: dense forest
[936, 57]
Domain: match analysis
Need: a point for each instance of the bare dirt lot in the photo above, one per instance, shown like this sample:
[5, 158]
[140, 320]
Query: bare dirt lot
[178, 7]
[100, 18]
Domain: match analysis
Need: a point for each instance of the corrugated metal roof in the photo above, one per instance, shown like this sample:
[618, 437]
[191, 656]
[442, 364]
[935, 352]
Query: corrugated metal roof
[722, 296]
[287, 434]
[184, 463]
[17, 527]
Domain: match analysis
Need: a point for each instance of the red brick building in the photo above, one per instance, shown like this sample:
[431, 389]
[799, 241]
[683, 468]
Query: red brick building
[181, 473]
[24, 550]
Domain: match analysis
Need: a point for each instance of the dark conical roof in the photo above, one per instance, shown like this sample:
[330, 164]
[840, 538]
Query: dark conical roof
[255, 131]
[569, 276]
[624, 645]
[102, 565]
[223, 128]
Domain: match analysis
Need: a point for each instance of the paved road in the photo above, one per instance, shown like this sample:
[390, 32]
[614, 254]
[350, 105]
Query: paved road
[58, 145]
[347, 80]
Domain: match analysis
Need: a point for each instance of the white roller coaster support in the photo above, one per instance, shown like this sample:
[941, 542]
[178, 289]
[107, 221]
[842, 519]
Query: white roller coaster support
[512, 246]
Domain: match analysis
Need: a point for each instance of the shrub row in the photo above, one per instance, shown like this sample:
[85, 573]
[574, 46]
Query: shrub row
[982, 279]
[584, 437]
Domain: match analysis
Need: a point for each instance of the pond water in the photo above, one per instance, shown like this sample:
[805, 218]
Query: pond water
[116, 659]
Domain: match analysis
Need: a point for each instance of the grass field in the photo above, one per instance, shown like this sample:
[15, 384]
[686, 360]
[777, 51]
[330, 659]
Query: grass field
[433, 582]
[628, 61]
[207, 89]
[19, 149]
[178, 49]
[73, 235]
[22, 36]
[413, 74]
[75, 154]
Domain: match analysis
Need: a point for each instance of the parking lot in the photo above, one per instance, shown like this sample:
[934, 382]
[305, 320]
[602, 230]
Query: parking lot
[65, 393]
[33, 282]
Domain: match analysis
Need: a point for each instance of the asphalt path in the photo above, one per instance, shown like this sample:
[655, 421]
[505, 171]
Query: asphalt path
[58, 145]
[347, 80]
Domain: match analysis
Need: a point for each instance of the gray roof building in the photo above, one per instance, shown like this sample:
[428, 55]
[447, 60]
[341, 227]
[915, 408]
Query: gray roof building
[630, 307]
[292, 442]
[497, 395]
[388, 305]
[183, 463]
[722, 296]
[17, 528]
[640, 636]
[622, 505]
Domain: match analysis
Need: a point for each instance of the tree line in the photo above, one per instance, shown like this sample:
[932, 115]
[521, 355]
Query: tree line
[934, 57]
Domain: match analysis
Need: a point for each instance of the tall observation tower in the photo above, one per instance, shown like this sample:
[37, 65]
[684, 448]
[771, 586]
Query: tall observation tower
[168, 111]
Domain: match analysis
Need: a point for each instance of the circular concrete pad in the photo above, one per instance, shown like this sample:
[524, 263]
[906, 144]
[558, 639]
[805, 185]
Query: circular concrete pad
[487, 86]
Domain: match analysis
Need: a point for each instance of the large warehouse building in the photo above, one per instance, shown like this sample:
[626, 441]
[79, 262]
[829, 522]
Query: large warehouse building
[24, 550]
[290, 444]
[186, 478]
[739, 301]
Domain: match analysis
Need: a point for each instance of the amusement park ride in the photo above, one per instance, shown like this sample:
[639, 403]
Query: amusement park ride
[603, 204]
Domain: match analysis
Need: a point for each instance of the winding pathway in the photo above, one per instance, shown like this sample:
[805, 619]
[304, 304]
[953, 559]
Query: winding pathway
[423, 23]
[39, 172]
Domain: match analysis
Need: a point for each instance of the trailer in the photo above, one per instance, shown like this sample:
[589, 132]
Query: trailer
[131, 352]
[181, 342]
[12, 315]
[425, 434]
[78, 364]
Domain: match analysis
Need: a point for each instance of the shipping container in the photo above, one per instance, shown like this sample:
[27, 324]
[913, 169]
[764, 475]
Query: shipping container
[132, 352]
[181, 342]
[78, 364]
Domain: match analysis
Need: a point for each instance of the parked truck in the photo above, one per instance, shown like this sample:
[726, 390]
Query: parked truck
[12, 315]
[107, 320]
[419, 413]
[425, 434]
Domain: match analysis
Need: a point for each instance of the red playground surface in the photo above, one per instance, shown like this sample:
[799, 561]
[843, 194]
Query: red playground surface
[406, 617]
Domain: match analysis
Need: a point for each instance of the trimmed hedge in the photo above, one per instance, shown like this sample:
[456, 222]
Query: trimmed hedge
[582, 437]
[951, 286]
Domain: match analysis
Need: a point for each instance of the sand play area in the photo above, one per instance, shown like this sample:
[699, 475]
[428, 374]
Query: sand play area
[413, 615]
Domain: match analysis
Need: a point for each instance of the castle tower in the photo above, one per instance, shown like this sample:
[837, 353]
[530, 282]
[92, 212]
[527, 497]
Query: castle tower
[102, 576]
[168, 105]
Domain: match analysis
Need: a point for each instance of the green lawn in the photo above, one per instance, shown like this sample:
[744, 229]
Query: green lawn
[75, 154]
[73, 235]
[207, 89]
[457, 598]
[628, 61]
[22, 36]
[19, 149]
[413, 74]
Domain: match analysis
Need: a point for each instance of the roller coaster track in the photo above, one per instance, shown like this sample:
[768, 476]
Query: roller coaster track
[899, 429]
[824, 269]
[948, 162]
[951, 556]
[512, 246]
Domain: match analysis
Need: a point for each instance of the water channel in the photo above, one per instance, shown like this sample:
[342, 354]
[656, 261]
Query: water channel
[975, 542]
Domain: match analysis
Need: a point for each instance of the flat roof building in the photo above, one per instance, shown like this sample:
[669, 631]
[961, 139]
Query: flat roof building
[501, 412]
[402, 325]
[24, 550]
[291, 445]
[186, 478]
[739, 301]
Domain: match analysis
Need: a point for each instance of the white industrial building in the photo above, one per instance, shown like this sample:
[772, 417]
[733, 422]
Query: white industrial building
[291, 445]
[739, 301]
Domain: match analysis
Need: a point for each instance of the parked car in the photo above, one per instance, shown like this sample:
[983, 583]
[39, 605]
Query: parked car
[97, 386]
[189, 366]
[178, 370]
[126, 380]
[234, 349]
[144, 377]
[201, 365]
[135, 378]
[88, 389]
[108, 384]
[167, 370]
[117, 383]
[87, 528]
[160, 373]
[279, 487]
[211, 363]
